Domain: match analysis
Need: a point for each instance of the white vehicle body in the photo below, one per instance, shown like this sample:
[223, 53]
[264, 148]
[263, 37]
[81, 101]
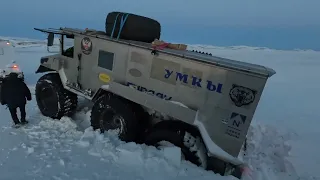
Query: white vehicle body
[7, 59]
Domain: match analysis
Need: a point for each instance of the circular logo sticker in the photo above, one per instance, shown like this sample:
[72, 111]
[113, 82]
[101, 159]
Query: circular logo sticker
[86, 45]
[104, 78]
[135, 72]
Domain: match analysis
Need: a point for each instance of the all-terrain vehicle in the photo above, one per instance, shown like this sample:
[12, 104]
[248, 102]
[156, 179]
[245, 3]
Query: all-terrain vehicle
[207, 102]
[7, 60]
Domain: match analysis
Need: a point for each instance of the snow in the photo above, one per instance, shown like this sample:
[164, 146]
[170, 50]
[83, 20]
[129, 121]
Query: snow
[173, 155]
[105, 86]
[282, 140]
[179, 103]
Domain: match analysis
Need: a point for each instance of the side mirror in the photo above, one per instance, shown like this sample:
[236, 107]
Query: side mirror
[50, 39]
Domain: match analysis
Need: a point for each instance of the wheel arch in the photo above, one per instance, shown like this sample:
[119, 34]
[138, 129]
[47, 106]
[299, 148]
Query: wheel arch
[101, 91]
[184, 130]
[140, 111]
[176, 125]
[44, 69]
[104, 90]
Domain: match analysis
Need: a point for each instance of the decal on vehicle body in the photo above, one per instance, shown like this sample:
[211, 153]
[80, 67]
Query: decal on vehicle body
[235, 124]
[174, 73]
[149, 91]
[86, 45]
[241, 95]
[104, 77]
[135, 72]
[196, 81]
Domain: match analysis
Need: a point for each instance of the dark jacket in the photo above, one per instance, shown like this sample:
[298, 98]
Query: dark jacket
[14, 91]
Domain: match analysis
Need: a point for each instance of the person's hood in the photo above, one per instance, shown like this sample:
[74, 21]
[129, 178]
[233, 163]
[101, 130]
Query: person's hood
[13, 76]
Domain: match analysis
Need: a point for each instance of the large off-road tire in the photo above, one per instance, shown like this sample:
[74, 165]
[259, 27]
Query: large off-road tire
[111, 112]
[145, 122]
[137, 28]
[0, 90]
[181, 136]
[1, 81]
[53, 100]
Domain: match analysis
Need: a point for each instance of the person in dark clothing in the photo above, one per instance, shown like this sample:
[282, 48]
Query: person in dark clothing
[14, 93]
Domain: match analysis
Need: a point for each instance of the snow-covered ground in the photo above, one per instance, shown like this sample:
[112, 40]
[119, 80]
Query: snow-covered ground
[282, 141]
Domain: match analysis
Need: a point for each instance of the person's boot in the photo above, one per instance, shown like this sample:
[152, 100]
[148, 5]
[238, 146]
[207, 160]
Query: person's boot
[16, 123]
[24, 121]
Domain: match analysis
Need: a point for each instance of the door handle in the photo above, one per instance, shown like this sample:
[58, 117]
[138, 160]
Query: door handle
[79, 56]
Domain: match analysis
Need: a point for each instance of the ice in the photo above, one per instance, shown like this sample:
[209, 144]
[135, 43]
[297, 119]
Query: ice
[30, 150]
[130, 154]
[48, 81]
[281, 140]
[180, 104]
[105, 87]
[61, 162]
[173, 155]
[83, 143]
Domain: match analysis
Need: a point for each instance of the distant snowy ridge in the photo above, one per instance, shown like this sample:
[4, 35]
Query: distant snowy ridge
[26, 42]
[211, 47]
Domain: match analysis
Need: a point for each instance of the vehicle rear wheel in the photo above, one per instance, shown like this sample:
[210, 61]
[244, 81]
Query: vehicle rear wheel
[191, 144]
[111, 112]
[53, 100]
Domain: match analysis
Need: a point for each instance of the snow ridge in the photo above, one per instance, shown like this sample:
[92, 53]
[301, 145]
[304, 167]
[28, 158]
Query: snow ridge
[57, 143]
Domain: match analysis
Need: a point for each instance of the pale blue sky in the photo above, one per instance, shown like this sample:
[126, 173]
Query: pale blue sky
[283, 24]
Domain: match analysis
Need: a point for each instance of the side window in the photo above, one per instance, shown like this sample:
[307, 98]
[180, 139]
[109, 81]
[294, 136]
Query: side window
[68, 44]
[105, 60]
[1, 51]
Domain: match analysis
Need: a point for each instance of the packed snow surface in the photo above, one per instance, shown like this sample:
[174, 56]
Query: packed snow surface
[282, 140]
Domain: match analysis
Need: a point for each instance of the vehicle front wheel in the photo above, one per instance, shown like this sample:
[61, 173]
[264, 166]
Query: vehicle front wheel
[53, 100]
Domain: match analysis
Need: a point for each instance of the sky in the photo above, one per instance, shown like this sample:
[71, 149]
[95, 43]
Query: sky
[285, 24]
